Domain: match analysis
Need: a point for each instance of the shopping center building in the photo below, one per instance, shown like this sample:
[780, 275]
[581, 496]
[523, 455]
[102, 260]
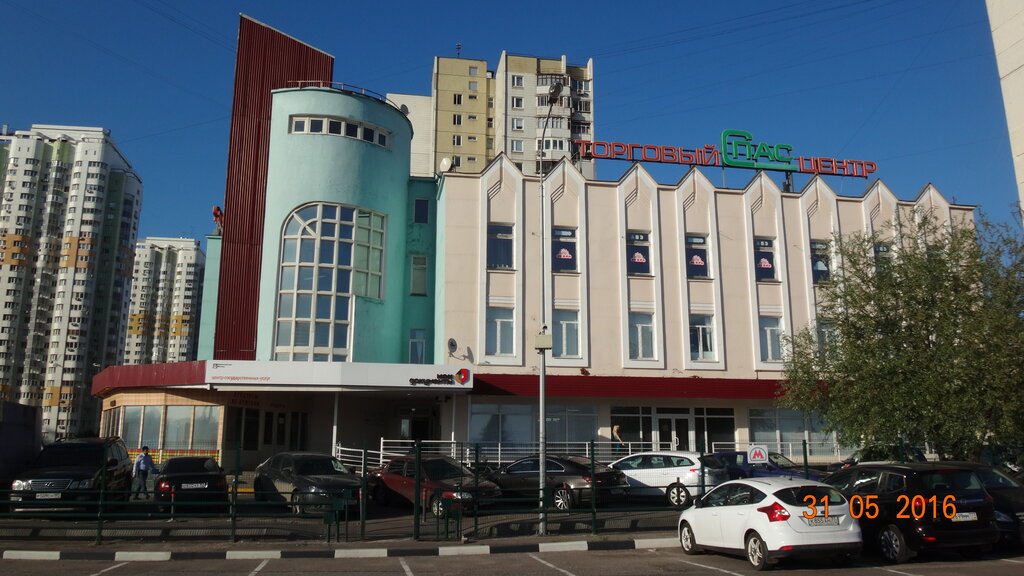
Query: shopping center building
[347, 302]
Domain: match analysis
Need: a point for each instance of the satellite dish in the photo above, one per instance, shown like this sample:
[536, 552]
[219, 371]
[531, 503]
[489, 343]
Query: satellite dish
[554, 92]
[452, 345]
[404, 109]
[446, 164]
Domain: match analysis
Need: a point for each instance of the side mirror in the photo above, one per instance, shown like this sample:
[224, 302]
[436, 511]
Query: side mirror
[697, 503]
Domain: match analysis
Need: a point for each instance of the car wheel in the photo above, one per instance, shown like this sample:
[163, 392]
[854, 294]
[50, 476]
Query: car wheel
[678, 495]
[687, 540]
[438, 507]
[297, 508]
[562, 498]
[757, 552]
[893, 545]
[382, 495]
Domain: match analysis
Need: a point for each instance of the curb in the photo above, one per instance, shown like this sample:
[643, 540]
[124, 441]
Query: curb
[467, 550]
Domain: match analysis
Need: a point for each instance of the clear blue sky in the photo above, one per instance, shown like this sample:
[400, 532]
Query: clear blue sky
[911, 85]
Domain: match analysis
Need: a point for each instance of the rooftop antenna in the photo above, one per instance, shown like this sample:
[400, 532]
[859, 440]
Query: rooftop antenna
[458, 49]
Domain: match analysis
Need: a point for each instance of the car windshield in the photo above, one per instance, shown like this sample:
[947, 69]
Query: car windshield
[995, 480]
[781, 461]
[320, 466]
[71, 455]
[797, 495]
[190, 465]
[443, 468]
[942, 480]
[710, 461]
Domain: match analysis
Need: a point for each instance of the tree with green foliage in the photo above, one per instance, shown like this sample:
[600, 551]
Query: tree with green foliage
[919, 338]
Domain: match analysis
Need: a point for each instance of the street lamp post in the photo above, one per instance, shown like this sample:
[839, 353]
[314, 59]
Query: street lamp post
[543, 341]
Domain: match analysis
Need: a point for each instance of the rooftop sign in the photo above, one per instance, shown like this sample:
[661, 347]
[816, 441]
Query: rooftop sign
[738, 150]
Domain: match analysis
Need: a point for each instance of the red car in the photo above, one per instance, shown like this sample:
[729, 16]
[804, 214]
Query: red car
[443, 481]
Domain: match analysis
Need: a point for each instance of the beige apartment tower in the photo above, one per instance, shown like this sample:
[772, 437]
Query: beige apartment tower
[475, 113]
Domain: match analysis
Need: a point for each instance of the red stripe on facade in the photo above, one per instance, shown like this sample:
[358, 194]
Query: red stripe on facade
[625, 387]
[148, 376]
[267, 60]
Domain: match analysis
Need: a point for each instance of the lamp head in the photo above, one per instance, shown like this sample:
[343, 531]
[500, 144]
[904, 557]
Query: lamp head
[554, 92]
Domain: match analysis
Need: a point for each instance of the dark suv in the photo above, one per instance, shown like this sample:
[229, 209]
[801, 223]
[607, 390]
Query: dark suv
[69, 475]
[906, 508]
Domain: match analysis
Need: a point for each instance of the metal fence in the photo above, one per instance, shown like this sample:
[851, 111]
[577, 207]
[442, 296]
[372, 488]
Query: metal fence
[246, 508]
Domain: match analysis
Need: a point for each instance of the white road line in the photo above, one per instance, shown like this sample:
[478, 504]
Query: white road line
[258, 568]
[711, 568]
[1014, 561]
[896, 571]
[550, 565]
[109, 569]
[408, 571]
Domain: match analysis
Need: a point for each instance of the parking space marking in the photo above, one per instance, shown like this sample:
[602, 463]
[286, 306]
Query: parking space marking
[896, 571]
[408, 571]
[258, 568]
[110, 568]
[550, 565]
[711, 568]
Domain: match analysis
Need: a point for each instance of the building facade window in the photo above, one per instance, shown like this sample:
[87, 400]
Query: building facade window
[499, 246]
[421, 211]
[500, 339]
[457, 99]
[517, 145]
[517, 81]
[517, 102]
[702, 337]
[563, 250]
[417, 346]
[456, 140]
[457, 119]
[764, 259]
[565, 333]
[641, 336]
[820, 263]
[638, 253]
[770, 331]
[329, 253]
[339, 126]
[517, 123]
[697, 257]
[418, 276]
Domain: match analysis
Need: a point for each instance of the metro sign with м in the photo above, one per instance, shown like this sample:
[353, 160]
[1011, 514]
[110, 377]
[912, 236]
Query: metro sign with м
[757, 454]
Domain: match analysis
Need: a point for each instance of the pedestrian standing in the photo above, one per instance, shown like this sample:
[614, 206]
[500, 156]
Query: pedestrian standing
[140, 472]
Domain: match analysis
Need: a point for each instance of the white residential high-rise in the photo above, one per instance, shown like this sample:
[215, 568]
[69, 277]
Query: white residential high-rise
[69, 218]
[167, 290]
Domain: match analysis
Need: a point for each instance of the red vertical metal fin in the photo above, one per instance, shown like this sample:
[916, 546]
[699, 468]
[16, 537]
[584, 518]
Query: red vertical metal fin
[266, 60]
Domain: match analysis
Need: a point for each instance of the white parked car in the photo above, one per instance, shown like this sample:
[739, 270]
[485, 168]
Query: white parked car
[767, 519]
[671, 474]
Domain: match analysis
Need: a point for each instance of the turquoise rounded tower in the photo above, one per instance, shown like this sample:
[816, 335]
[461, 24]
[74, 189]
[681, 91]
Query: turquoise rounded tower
[334, 235]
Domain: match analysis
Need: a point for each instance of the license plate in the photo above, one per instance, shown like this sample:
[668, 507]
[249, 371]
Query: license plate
[965, 517]
[48, 496]
[823, 521]
[193, 485]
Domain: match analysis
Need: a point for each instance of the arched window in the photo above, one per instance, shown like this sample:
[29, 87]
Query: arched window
[329, 253]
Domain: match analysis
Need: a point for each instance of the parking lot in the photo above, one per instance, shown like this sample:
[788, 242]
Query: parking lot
[462, 560]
